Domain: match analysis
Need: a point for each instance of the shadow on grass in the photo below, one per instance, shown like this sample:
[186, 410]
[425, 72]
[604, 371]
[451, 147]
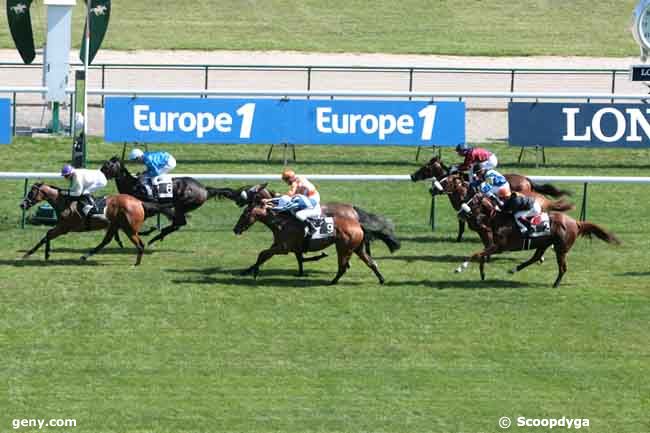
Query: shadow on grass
[633, 274]
[470, 285]
[426, 239]
[128, 249]
[42, 263]
[445, 258]
[271, 277]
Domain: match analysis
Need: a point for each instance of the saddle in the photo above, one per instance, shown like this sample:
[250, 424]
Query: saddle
[540, 225]
[324, 228]
[158, 189]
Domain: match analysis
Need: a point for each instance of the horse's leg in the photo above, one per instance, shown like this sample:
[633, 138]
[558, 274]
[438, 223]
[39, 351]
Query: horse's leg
[178, 222]
[461, 230]
[300, 259]
[363, 255]
[539, 254]
[135, 239]
[118, 240]
[366, 243]
[344, 253]
[261, 258]
[314, 258]
[51, 234]
[560, 254]
[110, 233]
[481, 266]
[492, 249]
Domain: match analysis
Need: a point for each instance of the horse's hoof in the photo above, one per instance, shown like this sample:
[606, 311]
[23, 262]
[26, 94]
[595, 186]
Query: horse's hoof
[512, 271]
[382, 281]
[247, 271]
[541, 261]
[458, 270]
[83, 258]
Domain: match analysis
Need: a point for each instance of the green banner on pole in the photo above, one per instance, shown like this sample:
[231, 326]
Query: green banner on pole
[99, 13]
[20, 24]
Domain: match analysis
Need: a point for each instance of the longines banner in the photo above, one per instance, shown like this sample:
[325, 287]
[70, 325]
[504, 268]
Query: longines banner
[275, 121]
[578, 125]
[5, 121]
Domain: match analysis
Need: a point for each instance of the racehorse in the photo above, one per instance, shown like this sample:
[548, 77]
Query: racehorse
[374, 226]
[123, 212]
[459, 193]
[288, 234]
[507, 237]
[189, 194]
[436, 169]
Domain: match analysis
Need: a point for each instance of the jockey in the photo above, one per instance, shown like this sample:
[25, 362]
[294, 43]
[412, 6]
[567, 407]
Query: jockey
[157, 163]
[83, 183]
[522, 206]
[490, 182]
[474, 157]
[310, 206]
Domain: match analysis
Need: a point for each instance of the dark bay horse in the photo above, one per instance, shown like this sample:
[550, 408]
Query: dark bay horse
[436, 169]
[374, 226]
[288, 237]
[507, 237]
[189, 194]
[123, 212]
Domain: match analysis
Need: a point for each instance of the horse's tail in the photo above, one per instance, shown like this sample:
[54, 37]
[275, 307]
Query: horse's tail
[548, 189]
[585, 228]
[378, 227]
[151, 209]
[560, 206]
[221, 193]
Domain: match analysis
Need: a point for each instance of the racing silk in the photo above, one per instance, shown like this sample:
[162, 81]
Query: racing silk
[474, 156]
[86, 181]
[306, 188]
[518, 202]
[155, 161]
[293, 204]
[494, 178]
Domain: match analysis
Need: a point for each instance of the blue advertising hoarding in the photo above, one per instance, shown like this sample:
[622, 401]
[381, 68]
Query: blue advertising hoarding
[5, 121]
[275, 121]
[579, 125]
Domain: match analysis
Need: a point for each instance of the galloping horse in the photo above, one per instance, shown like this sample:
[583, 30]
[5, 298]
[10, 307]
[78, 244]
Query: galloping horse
[436, 169]
[123, 212]
[507, 237]
[288, 235]
[459, 192]
[374, 226]
[189, 194]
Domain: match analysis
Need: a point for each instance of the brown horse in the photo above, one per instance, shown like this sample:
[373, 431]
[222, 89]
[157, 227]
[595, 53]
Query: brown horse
[374, 226]
[436, 169]
[507, 237]
[123, 212]
[459, 192]
[289, 237]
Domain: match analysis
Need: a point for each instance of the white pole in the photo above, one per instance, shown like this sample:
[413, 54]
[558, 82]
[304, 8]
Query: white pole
[86, 61]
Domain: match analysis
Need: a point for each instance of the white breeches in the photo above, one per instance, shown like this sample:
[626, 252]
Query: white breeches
[527, 214]
[490, 163]
[312, 212]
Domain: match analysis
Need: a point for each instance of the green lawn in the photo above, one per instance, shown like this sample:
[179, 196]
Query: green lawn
[493, 27]
[183, 343]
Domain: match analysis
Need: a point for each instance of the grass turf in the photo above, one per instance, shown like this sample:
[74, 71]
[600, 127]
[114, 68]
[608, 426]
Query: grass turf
[493, 28]
[183, 343]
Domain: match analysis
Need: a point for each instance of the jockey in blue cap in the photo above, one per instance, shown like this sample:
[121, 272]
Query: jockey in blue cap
[83, 183]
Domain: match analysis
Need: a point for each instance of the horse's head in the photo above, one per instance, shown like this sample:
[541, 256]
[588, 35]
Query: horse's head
[432, 169]
[255, 210]
[35, 195]
[111, 168]
[248, 194]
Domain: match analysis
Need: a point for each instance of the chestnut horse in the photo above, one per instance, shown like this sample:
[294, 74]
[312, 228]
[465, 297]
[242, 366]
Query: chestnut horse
[436, 169]
[289, 236]
[507, 237]
[123, 212]
[458, 191]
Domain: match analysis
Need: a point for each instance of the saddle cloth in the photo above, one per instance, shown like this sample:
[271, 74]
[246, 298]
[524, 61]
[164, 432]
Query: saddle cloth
[540, 225]
[324, 228]
[163, 187]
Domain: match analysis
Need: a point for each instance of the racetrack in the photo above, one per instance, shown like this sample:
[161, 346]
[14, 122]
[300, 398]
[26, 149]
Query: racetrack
[183, 343]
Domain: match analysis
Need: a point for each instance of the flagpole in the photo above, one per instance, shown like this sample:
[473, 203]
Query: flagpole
[86, 61]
